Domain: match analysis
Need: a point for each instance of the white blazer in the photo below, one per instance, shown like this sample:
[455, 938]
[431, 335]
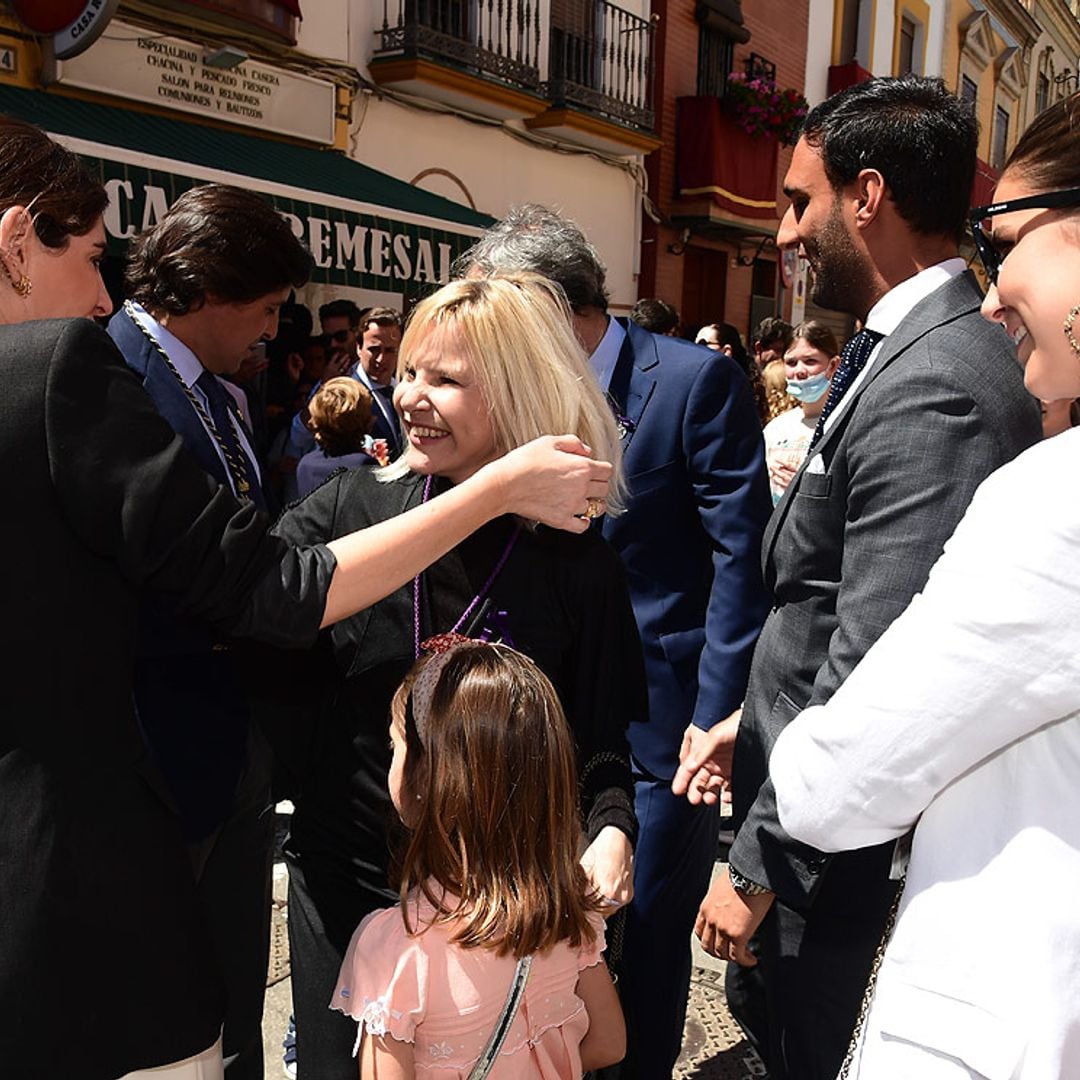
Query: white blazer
[964, 721]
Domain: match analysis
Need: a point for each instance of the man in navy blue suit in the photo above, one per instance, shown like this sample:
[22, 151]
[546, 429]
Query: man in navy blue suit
[206, 283]
[690, 540]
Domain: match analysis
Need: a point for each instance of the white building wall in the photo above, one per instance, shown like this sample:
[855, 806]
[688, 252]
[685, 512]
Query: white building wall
[819, 44]
[498, 171]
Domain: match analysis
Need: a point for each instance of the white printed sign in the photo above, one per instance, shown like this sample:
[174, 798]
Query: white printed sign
[170, 72]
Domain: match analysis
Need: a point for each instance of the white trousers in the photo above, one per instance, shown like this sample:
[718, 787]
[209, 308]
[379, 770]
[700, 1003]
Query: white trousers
[204, 1066]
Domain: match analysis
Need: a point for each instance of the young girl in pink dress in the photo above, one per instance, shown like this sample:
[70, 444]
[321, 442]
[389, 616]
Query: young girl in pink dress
[483, 778]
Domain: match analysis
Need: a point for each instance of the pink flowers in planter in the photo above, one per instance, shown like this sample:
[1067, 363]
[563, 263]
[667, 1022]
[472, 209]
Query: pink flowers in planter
[758, 107]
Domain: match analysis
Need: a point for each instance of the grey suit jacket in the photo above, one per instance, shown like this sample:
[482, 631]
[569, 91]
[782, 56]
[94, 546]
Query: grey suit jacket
[855, 536]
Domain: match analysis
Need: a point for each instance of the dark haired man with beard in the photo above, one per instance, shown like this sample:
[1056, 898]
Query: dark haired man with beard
[927, 401]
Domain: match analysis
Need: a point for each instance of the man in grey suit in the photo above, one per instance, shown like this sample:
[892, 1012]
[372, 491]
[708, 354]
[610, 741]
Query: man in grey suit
[927, 402]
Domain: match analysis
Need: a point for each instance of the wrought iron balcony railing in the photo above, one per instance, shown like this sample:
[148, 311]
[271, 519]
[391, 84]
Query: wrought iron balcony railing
[497, 39]
[601, 60]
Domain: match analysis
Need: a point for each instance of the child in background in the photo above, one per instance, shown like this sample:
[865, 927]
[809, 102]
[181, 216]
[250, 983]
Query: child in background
[483, 778]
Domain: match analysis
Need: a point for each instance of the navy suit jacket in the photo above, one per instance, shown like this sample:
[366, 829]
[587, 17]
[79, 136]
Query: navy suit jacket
[690, 538]
[191, 707]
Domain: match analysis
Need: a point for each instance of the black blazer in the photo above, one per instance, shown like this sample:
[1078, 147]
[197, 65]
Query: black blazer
[96, 894]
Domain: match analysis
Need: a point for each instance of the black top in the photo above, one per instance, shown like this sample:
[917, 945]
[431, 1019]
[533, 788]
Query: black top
[95, 883]
[560, 599]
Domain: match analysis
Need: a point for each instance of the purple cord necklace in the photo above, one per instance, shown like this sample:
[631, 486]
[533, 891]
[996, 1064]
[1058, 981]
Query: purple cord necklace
[475, 600]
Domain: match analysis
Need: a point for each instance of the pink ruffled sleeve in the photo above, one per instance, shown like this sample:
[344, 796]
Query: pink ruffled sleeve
[383, 979]
[591, 954]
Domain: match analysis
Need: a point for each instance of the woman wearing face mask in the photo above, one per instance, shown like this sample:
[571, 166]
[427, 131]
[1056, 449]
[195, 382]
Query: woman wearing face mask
[809, 365]
[104, 504]
[484, 365]
[963, 722]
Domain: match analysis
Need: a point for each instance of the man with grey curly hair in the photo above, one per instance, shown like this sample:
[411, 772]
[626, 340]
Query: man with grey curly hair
[690, 540]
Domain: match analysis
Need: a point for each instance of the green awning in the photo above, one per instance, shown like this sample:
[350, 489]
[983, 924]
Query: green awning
[366, 229]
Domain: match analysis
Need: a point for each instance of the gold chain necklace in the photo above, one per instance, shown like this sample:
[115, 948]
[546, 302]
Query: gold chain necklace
[237, 469]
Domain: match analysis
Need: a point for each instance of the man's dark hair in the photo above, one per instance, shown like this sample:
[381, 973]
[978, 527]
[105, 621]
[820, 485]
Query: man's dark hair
[773, 331]
[655, 316]
[218, 241]
[337, 309]
[380, 316]
[919, 136]
[536, 239]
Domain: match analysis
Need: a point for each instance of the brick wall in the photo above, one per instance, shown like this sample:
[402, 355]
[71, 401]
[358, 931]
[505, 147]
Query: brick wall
[778, 31]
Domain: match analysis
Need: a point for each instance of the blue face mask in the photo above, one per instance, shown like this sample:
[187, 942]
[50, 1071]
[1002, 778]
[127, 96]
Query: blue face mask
[809, 390]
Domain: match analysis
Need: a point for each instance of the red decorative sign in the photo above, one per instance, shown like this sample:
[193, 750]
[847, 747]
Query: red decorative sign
[48, 16]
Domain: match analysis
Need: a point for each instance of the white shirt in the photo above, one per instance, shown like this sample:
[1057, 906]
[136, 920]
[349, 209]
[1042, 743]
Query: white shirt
[963, 720]
[892, 309]
[187, 363]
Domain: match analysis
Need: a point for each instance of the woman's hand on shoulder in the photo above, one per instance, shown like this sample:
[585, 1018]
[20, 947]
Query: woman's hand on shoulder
[554, 480]
[608, 863]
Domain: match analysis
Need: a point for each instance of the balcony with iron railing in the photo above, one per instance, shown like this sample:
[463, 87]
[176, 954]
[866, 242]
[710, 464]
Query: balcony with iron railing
[600, 60]
[571, 68]
[493, 39]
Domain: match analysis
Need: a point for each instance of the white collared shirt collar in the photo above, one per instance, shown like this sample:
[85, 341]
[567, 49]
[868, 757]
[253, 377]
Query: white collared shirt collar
[185, 361]
[606, 354]
[892, 309]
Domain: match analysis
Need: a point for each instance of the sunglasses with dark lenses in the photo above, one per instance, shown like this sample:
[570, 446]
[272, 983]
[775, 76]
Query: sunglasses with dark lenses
[340, 336]
[992, 257]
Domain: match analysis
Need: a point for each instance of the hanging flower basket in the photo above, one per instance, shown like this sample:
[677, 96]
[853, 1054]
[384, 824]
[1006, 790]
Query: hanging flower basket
[759, 107]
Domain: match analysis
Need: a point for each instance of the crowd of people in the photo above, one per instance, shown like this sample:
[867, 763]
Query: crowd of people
[507, 597]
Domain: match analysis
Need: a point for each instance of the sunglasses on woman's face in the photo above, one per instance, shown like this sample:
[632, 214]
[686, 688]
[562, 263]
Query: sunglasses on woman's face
[992, 257]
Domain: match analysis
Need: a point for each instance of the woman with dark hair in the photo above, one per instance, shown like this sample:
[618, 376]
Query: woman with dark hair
[106, 505]
[961, 726]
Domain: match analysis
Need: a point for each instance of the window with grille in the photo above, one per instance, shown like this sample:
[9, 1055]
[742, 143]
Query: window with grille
[1001, 138]
[1042, 92]
[906, 61]
[715, 52]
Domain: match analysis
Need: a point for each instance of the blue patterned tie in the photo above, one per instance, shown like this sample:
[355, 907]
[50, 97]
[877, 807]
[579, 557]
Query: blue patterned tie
[853, 359]
[244, 477]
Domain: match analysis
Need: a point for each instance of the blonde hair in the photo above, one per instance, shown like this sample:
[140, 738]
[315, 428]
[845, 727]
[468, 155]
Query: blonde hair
[340, 416]
[777, 399]
[493, 844]
[532, 372]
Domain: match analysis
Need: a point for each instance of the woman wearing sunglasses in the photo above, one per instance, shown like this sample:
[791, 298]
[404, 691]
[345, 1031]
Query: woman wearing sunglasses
[963, 722]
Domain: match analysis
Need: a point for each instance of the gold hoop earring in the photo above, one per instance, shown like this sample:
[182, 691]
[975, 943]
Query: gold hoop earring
[23, 286]
[1069, 320]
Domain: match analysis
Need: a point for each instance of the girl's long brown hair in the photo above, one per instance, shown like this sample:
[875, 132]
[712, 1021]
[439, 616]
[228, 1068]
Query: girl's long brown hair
[493, 843]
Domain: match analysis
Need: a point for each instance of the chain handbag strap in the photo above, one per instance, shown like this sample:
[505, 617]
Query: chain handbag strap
[237, 469]
[506, 1018]
[871, 983]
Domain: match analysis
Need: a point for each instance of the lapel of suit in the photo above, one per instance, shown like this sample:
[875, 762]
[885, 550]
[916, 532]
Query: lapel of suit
[958, 297]
[634, 378]
[169, 397]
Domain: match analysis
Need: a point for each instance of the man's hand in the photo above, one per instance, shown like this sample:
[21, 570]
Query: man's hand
[727, 920]
[608, 863]
[705, 761]
[553, 480]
